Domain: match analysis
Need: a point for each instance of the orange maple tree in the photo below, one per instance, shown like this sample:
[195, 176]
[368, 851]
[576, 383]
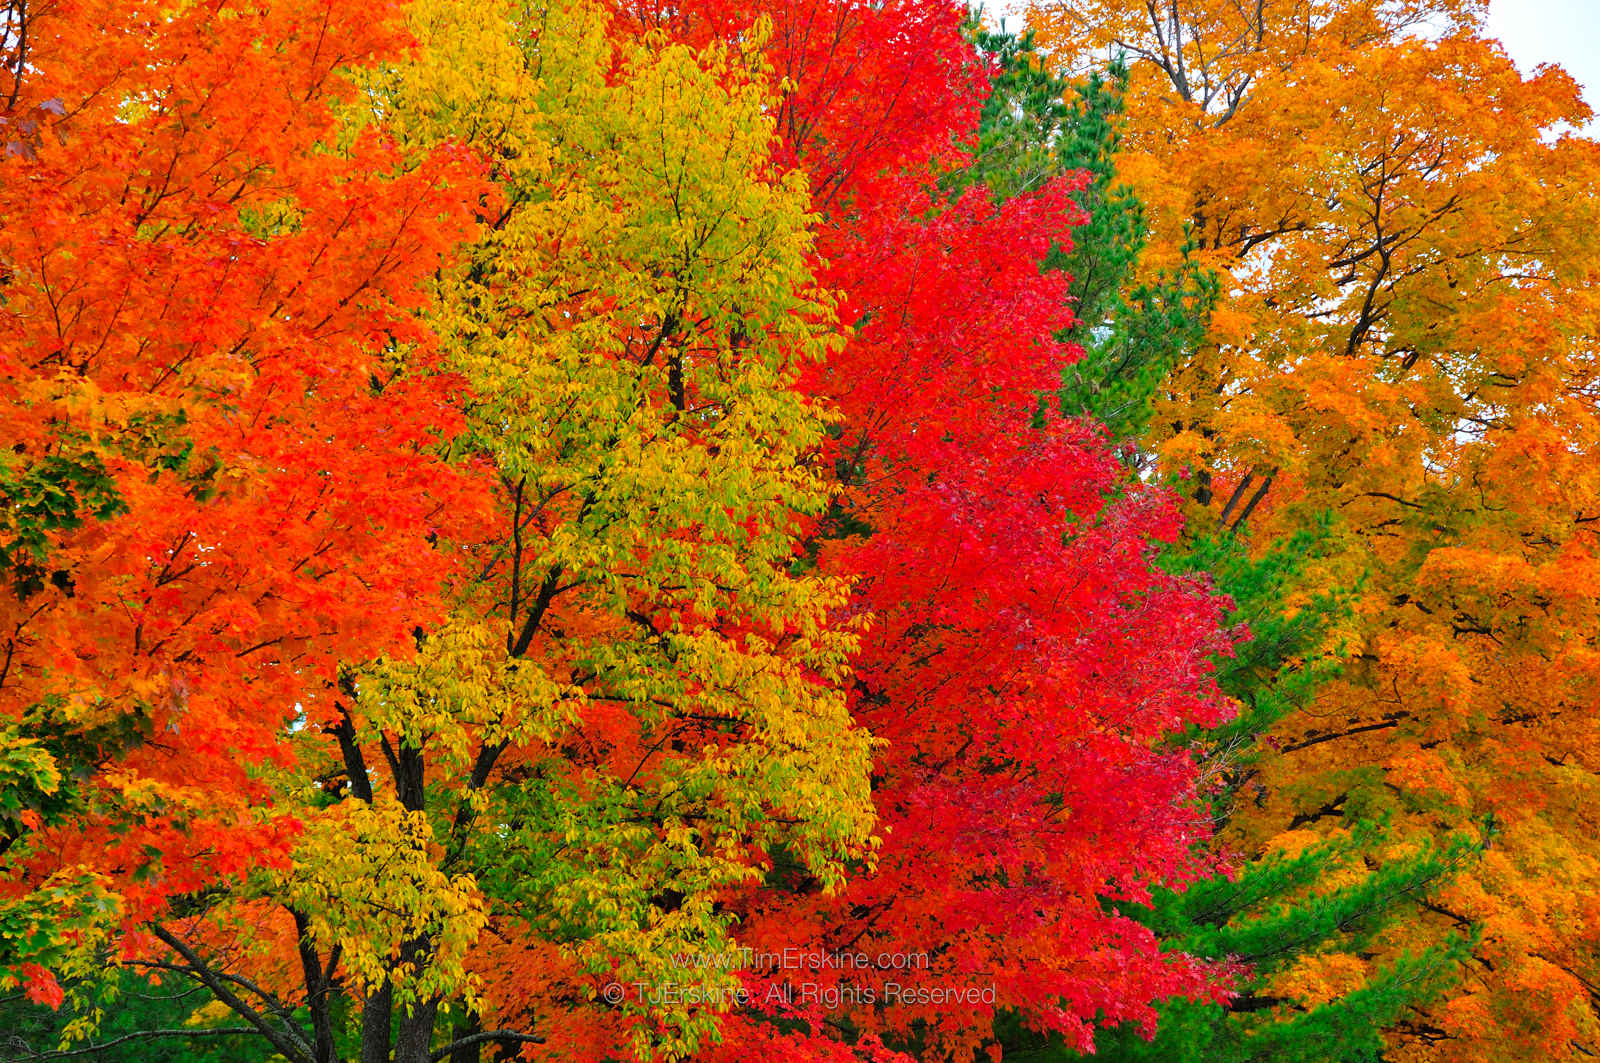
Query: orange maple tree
[1406, 343]
[217, 483]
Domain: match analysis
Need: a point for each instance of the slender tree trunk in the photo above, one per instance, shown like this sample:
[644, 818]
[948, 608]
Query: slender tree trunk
[1255, 499]
[319, 992]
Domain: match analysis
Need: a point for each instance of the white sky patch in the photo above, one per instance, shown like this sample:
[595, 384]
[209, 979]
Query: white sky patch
[1563, 32]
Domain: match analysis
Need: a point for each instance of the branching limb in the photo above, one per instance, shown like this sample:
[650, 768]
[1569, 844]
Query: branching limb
[287, 1040]
[504, 1036]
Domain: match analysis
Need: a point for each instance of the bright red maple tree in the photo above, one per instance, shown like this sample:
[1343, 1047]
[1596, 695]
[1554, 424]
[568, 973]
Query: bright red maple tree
[1025, 656]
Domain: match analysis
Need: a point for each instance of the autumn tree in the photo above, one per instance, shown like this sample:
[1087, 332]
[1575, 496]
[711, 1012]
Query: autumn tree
[212, 475]
[1406, 343]
[451, 601]
[635, 690]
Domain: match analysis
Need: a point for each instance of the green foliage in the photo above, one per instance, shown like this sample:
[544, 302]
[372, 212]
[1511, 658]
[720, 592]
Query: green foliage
[132, 1008]
[1134, 323]
[1295, 927]
[57, 925]
[45, 495]
[1279, 667]
[1300, 923]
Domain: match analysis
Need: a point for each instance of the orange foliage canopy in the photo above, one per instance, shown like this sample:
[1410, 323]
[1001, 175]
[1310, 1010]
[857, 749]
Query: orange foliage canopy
[1407, 342]
[215, 484]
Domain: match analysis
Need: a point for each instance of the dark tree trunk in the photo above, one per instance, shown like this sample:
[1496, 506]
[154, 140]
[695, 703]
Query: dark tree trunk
[466, 1026]
[415, 1042]
[319, 993]
[375, 1026]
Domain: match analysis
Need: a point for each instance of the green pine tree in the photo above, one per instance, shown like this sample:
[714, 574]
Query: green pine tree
[1036, 127]
[140, 1022]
